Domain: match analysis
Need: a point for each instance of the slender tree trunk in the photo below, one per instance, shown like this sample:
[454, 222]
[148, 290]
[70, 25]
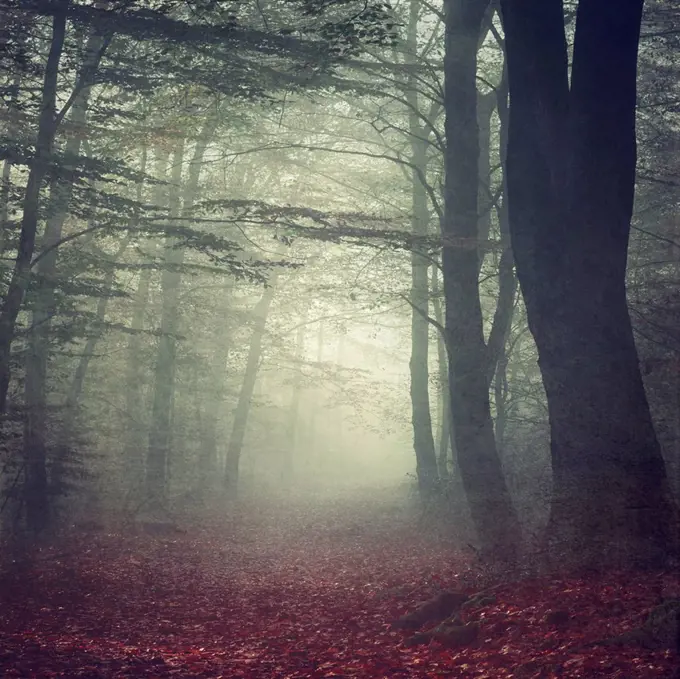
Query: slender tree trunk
[486, 103]
[137, 428]
[21, 273]
[160, 434]
[136, 424]
[76, 387]
[507, 281]
[215, 402]
[571, 178]
[491, 507]
[44, 299]
[291, 443]
[421, 417]
[160, 430]
[315, 405]
[242, 410]
[446, 436]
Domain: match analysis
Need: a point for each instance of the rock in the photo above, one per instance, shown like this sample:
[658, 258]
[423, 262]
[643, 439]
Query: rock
[456, 636]
[451, 636]
[434, 610]
[558, 617]
[663, 625]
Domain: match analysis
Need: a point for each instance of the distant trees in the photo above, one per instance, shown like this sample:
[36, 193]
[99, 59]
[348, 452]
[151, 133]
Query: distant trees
[152, 153]
[140, 75]
[571, 177]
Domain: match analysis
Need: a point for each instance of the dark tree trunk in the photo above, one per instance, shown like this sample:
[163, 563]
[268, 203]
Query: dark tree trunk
[21, 274]
[571, 174]
[44, 305]
[490, 504]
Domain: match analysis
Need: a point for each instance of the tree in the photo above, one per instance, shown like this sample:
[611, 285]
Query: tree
[238, 433]
[571, 177]
[469, 367]
[21, 274]
[419, 134]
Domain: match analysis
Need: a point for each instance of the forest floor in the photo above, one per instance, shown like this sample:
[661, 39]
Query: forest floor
[292, 593]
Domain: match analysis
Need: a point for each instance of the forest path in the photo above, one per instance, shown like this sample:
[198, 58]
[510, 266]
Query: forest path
[294, 592]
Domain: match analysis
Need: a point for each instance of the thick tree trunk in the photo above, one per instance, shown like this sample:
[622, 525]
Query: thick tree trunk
[421, 416]
[242, 410]
[571, 172]
[21, 273]
[490, 504]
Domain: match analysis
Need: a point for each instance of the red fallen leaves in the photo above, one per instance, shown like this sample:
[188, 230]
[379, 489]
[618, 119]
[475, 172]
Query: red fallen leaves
[294, 604]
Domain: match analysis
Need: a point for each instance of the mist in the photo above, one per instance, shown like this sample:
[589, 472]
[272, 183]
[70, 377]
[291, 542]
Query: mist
[338, 338]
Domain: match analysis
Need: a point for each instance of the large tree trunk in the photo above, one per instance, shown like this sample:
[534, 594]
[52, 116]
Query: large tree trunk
[571, 174]
[21, 274]
[490, 504]
[238, 432]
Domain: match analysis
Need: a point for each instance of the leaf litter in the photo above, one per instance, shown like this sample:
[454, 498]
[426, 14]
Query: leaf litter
[286, 597]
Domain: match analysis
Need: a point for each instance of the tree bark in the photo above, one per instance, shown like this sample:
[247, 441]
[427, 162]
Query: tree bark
[490, 504]
[242, 410]
[21, 274]
[571, 174]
